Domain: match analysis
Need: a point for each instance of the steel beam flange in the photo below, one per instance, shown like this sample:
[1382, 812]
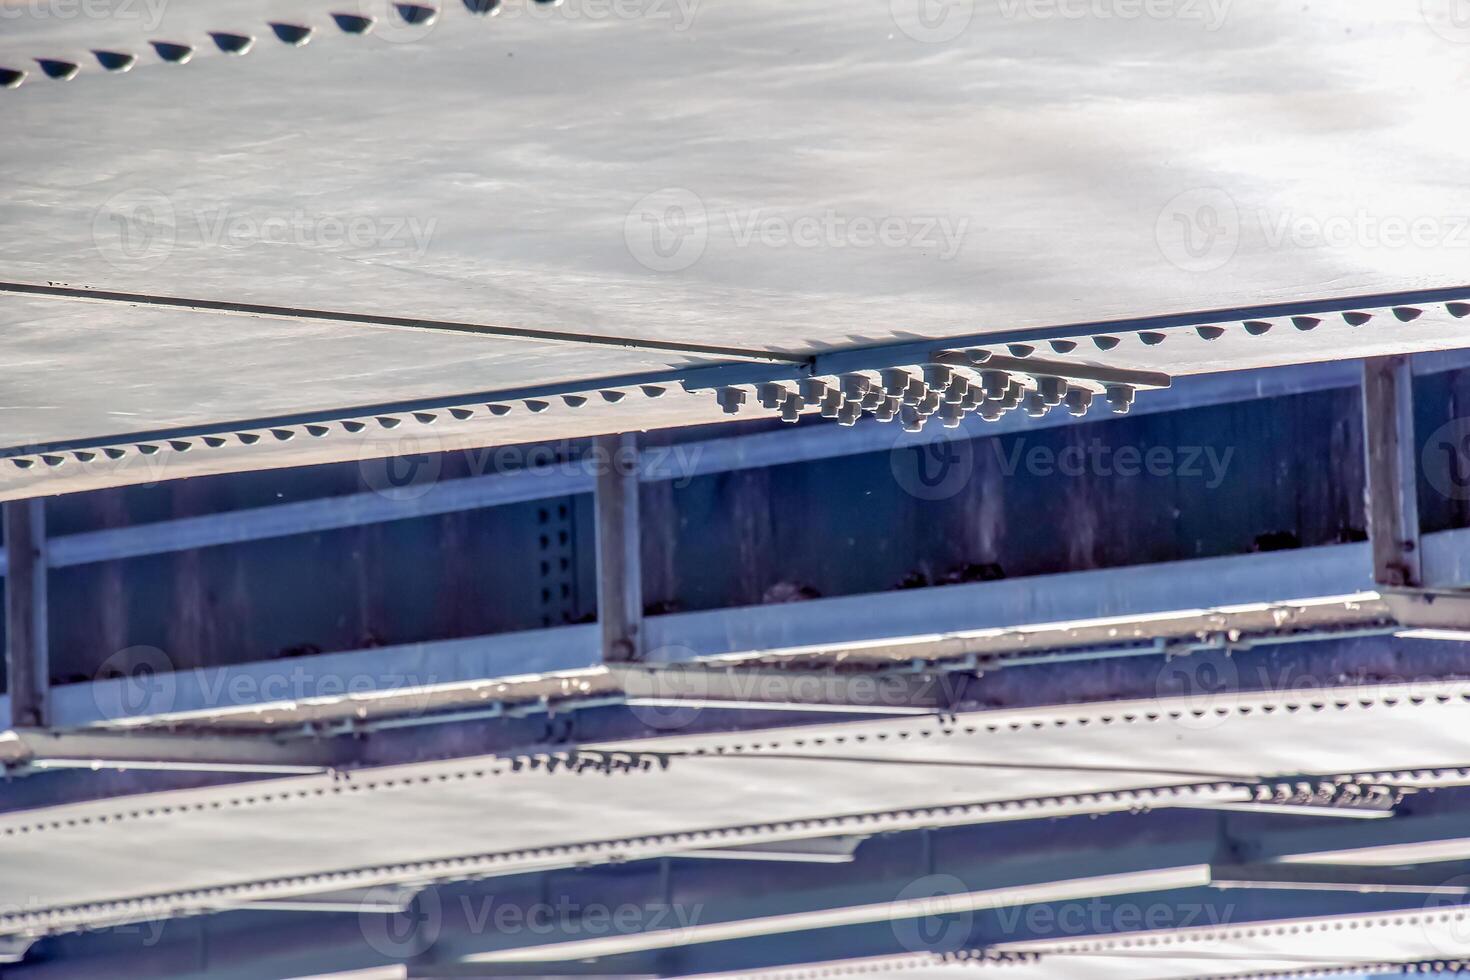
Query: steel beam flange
[366, 433]
[61, 919]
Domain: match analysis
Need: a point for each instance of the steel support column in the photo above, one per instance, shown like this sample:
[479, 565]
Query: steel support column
[1391, 502]
[619, 566]
[27, 667]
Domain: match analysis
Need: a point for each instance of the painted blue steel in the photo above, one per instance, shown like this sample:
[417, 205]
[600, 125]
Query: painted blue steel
[803, 443]
[892, 618]
[309, 516]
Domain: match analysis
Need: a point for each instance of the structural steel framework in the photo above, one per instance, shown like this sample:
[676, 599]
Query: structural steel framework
[252, 238]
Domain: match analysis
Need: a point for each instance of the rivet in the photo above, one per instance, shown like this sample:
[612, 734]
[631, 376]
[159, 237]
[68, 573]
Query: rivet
[772, 395]
[995, 382]
[730, 400]
[895, 380]
[1120, 397]
[814, 390]
[1079, 400]
[855, 385]
[938, 375]
[1052, 390]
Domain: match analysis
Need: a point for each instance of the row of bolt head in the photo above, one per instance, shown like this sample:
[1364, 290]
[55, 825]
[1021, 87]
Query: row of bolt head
[938, 389]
